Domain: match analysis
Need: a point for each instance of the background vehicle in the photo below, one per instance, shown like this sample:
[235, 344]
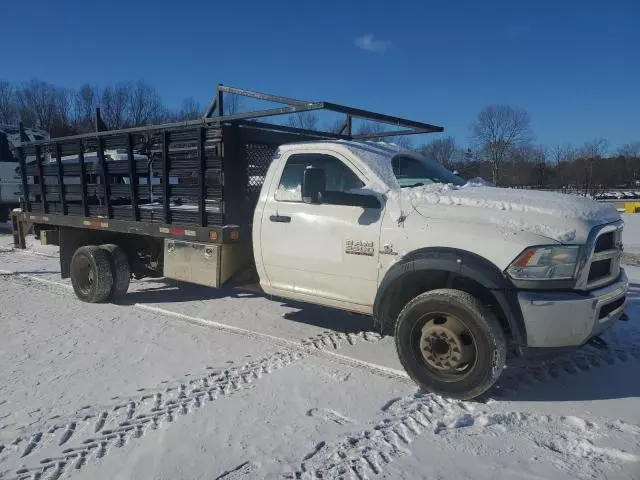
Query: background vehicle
[461, 275]
[10, 138]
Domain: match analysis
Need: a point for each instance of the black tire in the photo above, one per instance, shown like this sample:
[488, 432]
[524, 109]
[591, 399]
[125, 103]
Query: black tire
[119, 270]
[91, 275]
[488, 339]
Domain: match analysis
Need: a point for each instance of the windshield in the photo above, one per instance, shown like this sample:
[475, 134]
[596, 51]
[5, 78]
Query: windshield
[415, 172]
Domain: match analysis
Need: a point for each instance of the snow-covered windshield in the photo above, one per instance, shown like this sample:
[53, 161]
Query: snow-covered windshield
[395, 168]
[413, 171]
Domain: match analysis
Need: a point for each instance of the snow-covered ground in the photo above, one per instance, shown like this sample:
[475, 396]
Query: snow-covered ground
[190, 382]
[631, 232]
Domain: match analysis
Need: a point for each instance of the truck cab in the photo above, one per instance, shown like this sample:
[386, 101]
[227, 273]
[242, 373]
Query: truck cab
[461, 272]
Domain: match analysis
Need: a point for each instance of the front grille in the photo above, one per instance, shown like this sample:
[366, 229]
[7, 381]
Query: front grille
[604, 249]
[606, 241]
[599, 269]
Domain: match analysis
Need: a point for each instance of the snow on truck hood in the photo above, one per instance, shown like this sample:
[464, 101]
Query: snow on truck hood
[561, 217]
[564, 218]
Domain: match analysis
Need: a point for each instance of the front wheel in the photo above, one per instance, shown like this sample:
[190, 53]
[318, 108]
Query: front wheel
[450, 344]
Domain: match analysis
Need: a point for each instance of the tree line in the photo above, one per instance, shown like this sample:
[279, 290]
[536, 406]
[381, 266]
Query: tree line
[503, 151]
[500, 142]
[62, 111]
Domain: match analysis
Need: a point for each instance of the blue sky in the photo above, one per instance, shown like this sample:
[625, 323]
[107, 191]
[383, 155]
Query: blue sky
[574, 65]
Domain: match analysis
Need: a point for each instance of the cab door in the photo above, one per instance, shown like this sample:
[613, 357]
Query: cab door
[327, 250]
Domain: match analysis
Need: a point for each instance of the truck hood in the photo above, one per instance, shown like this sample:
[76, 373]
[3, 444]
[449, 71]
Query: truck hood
[560, 217]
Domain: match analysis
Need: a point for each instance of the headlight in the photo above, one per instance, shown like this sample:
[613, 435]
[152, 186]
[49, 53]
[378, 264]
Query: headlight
[545, 263]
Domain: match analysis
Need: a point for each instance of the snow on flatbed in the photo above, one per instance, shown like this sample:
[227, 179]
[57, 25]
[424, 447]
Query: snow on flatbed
[182, 381]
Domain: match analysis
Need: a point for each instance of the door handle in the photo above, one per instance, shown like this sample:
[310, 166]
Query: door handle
[280, 218]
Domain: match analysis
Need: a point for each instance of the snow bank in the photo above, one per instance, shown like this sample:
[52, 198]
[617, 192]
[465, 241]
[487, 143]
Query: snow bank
[479, 182]
[631, 232]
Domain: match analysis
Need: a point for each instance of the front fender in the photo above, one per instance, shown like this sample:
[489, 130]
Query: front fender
[453, 264]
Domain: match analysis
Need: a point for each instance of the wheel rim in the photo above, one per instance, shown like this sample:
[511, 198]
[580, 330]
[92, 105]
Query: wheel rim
[445, 345]
[85, 276]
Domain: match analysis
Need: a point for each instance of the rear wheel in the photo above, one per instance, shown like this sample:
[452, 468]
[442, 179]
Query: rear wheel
[450, 344]
[119, 270]
[91, 275]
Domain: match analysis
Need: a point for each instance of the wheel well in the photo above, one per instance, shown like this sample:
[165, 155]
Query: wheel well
[144, 253]
[413, 284]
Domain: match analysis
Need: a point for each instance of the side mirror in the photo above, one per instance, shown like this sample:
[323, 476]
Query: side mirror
[313, 185]
[365, 201]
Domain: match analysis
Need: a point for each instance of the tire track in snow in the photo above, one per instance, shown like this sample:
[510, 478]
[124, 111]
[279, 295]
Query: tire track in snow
[364, 455]
[393, 436]
[27, 251]
[568, 442]
[141, 417]
[94, 430]
[241, 471]
[116, 426]
[322, 344]
[137, 418]
[623, 346]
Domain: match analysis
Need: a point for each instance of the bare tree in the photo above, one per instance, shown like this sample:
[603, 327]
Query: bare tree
[8, 109]
[590, 153]
[114, 103]
[631, 150]
[497, 130]
[232, 104]
[529, 165]
[85, 102]
[631, 154]
[43, 105]
[191, 110]
[442, 150]
[63, 109]
[304, 120]
[562, 153]
[144, 105]
[336, 126]
[597, 148]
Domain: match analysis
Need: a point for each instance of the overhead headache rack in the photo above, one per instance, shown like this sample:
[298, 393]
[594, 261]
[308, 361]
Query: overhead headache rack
[403, 126]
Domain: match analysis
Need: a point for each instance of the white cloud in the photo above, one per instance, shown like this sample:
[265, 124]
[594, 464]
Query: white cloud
[369, 43]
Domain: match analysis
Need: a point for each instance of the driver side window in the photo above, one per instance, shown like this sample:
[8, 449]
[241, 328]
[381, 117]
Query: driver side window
[339, 177]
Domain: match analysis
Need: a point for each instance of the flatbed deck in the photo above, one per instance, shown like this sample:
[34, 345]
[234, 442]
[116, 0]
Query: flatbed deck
[197, 179]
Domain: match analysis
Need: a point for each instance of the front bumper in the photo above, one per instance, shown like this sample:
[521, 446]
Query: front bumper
[570, 319]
